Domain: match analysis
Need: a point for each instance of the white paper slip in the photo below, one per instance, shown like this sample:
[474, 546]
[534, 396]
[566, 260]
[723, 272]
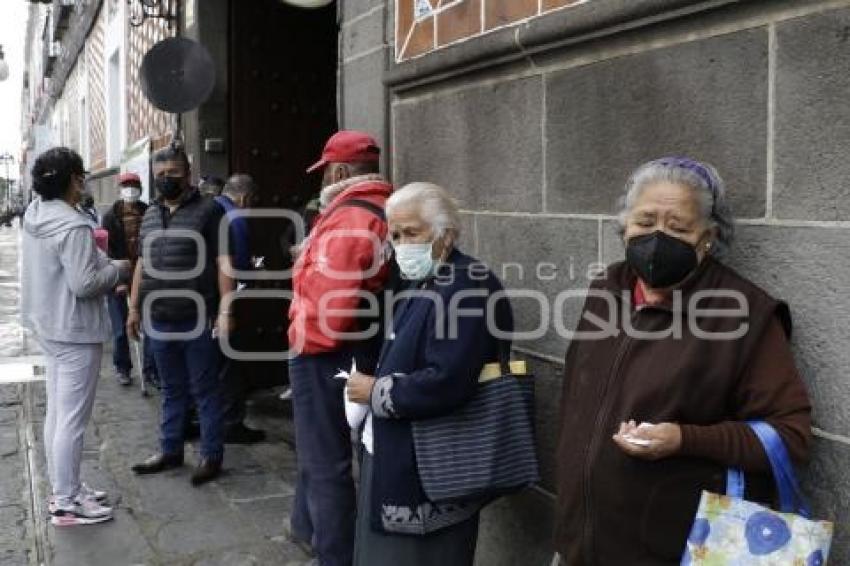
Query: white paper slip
[639, 441]
[354, 412]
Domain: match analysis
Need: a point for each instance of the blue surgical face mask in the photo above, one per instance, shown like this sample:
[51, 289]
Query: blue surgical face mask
[415, 261]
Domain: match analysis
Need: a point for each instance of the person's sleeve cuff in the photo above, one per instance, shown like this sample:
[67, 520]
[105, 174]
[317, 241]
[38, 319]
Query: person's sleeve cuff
[692, 441]
[382, 401]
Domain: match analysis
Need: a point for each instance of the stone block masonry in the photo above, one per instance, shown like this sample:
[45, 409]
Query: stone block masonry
[535, 125]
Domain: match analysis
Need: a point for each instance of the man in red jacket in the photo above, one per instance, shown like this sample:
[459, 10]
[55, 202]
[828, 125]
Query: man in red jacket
[341, 259]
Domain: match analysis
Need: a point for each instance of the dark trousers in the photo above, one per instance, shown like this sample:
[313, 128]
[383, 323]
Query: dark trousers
[234, 392]
[450, 546]
[324, 511]
[148, 360]
[189, 371]
[117, 305]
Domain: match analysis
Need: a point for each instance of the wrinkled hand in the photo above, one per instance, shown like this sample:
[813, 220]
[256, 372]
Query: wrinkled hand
[134, 323]
[665, 439]
[359, 388]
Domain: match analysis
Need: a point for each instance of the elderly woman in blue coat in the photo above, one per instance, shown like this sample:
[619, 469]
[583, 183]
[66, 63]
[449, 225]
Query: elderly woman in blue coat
[429, 366]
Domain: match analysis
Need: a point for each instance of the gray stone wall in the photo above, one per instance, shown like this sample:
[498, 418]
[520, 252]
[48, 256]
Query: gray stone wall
[366, 40]
[537, 145]
[209, 26]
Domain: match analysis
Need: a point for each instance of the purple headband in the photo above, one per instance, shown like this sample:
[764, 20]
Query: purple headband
[695, 167]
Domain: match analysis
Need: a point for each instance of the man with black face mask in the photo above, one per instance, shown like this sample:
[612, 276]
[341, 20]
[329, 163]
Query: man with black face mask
[183, 314]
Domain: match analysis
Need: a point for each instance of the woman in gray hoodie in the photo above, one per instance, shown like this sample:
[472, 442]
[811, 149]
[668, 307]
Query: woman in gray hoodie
[65, 279]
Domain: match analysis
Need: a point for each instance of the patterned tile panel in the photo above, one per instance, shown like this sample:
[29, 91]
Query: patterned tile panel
[423, 26]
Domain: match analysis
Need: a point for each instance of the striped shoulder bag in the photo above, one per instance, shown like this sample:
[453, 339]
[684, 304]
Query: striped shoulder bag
[486, 448]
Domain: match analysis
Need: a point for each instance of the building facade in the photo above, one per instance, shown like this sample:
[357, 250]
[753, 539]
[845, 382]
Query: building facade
[533, 113]
[82, 87]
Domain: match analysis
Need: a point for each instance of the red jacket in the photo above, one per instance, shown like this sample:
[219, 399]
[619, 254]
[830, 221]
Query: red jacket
[341, 257]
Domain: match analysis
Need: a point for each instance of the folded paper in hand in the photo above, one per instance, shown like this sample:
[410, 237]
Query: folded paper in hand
[639, 441]
[354, 412]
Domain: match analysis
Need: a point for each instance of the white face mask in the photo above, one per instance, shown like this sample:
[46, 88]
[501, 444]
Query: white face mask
[415, 261]
[130, 194]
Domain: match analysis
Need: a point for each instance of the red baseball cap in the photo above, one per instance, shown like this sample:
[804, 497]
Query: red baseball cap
[129, 179]
[348, 146]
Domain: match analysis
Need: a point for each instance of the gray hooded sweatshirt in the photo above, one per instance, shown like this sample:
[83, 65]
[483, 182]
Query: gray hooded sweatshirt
[65, 277]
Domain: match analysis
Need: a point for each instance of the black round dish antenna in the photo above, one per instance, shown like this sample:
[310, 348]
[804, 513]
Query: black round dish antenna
[177, 75]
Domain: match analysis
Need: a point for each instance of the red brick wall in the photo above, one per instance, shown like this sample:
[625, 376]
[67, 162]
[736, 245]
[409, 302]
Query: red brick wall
[443, 22]
[97, 92]
[143, 118]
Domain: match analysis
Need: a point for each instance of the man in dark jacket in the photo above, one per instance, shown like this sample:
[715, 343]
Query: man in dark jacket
[180, 279]
[123, 221]
[236, 196]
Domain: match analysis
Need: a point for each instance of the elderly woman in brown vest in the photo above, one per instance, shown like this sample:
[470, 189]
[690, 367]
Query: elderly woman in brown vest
[648, 351]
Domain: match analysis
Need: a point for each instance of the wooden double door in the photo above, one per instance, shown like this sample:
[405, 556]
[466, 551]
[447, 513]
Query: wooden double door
[283, 93]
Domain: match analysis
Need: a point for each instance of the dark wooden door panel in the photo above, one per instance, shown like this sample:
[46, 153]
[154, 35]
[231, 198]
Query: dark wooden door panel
[283, 72]
[283, 68]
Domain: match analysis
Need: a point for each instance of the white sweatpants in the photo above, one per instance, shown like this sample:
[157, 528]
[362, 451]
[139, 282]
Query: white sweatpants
[72, 374]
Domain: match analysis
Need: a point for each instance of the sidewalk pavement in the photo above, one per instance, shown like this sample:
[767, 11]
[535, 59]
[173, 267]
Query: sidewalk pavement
[160, 519]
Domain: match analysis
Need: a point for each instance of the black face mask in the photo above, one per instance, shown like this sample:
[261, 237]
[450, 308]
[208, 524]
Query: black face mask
[169, 187]
[660, 260]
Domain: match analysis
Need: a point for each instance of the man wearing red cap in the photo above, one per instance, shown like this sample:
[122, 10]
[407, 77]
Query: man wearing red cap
[340, 261]
[122, 221]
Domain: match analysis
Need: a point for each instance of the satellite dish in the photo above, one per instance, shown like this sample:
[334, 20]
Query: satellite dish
[178, 75]
[307, 3]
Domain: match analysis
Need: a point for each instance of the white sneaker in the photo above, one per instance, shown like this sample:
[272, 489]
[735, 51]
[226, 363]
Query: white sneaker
[91, 493]
[86, 492]
[80, 511]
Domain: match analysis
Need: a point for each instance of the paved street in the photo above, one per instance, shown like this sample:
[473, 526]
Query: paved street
[237, 520]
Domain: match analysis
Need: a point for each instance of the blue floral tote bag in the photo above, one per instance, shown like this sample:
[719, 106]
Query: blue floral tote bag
[729, 531]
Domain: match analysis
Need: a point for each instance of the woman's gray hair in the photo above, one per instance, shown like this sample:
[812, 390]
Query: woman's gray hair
[703, 178]
[432, 202]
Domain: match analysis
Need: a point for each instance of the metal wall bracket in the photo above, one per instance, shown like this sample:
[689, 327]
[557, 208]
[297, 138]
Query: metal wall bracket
[142, 10]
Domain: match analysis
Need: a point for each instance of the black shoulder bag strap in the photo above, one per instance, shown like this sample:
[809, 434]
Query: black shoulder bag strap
[375, 209]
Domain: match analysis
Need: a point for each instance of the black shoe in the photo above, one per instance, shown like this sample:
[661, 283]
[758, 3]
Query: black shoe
[206, 471]
[241, 434]
[158, 463]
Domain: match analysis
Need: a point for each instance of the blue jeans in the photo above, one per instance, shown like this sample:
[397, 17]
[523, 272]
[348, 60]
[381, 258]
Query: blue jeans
[120, 345]
[148, 360]
[324, 511]
[234, 383]
[189, 370]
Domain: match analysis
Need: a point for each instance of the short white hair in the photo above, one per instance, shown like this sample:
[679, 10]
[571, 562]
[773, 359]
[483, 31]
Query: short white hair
[433, 204]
